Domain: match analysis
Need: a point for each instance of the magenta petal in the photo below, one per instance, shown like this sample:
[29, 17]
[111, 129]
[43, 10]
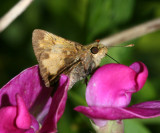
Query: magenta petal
[57, 106]
[29, 85]
[7, 115]
[142, 72]
[34, 126]
[111, 85]
[30, 131]
[148, 105]
[23, 119]
[142, 110]
[17, 119]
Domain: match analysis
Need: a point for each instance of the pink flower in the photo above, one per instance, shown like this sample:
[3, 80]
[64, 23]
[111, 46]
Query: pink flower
[25, 103]
[109, 92]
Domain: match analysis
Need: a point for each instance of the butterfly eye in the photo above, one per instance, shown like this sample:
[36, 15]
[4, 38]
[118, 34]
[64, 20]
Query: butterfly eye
[94, 50]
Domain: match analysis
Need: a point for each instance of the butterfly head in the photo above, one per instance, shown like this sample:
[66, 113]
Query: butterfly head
[98, 51]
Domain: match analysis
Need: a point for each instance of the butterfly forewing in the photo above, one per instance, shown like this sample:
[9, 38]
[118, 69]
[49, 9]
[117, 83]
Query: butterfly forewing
[54, 54]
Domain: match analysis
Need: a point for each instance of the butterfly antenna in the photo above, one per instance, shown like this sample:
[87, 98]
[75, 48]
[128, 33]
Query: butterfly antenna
[130, 45]
[112, 58]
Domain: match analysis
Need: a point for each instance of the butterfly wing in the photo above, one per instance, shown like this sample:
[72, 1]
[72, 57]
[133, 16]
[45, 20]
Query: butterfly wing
[54, 54]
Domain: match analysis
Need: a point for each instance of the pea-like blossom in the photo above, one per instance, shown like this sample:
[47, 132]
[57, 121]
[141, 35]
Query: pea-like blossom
[26, 105]
[109, 91]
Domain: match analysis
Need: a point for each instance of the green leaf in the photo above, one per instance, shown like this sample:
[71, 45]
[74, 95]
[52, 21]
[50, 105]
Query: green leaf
[78, 11]
[134, 126]
[149, 43]
[57, 6]
[104, 15]
[151, 121]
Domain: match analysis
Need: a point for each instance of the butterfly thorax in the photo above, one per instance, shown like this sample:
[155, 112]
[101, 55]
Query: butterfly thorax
[89, 59]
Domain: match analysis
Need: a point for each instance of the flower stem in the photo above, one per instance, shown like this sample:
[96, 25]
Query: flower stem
[115, 126]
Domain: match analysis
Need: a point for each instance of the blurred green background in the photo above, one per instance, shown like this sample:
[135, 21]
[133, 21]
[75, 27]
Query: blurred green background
[85, 21]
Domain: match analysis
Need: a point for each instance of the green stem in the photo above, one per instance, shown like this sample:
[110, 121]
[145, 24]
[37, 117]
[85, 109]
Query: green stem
[115, 126]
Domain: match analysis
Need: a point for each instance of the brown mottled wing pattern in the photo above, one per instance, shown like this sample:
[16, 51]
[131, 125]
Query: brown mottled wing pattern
[54, 54]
